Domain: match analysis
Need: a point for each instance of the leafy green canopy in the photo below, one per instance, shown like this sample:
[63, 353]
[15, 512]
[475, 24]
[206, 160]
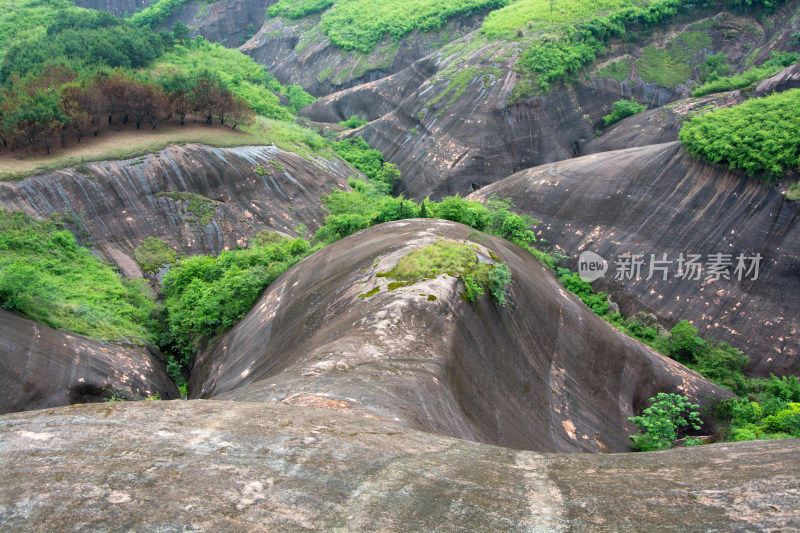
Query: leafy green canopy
[362, 24]
[82, 40]
[662, 422]
[758, 136]
[205, 295]
[234, 71]
[622, 109]
[45, 275]
[369, 161]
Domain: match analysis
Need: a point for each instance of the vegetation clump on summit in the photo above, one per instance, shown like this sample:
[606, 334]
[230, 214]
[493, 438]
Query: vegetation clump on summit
[758, 136]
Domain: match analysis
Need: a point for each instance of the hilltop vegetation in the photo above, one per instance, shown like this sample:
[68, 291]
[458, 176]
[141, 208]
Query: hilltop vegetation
[80, 70]
[758, 136]
[362, 24]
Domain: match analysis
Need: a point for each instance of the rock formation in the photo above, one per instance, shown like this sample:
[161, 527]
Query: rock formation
[656, 199]
[41, 367]
[232, 466]
[543, 374]
[241, 190]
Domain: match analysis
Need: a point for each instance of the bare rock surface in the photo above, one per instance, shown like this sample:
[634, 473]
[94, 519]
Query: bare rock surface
[544, 373]
[656, 126]
[788, 78]
[658, 200]
[41, 367]
[233, 466]
[243, 190]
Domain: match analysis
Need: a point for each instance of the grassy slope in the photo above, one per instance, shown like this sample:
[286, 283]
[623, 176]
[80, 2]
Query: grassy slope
[361, 24]
[45, 275]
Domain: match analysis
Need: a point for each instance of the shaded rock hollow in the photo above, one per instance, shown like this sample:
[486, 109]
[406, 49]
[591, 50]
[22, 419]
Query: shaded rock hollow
[41, 367]
[545, 374]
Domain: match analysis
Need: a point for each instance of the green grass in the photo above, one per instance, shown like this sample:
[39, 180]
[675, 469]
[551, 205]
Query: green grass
[154, 254]
[201, 208]
[46, 276]
[660, 66]
[794, 192]
[618, 70]
[557, 49]
[535, 16]
[362, 24]
[758, 136]
[454, 259]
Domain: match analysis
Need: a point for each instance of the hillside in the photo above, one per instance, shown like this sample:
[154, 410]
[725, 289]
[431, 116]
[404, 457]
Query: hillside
[418, 265]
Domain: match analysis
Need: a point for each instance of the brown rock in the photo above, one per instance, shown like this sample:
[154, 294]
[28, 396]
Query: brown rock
[42, 367]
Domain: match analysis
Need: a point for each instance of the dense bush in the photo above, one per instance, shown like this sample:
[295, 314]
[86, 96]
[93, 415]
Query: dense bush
[662, 423]
[369, 161]
[758, 136]
[205, 295]
[353, 122]
[47, 276]
[622, 109]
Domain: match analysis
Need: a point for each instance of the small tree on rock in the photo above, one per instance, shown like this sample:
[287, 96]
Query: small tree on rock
[662, 422]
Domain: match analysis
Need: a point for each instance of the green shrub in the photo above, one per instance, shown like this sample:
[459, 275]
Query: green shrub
[757, 136]
[622, 109]
[662, 423]
[499, 281]
[583, 290]
[353, 122]
[205, 295]
[785, 421]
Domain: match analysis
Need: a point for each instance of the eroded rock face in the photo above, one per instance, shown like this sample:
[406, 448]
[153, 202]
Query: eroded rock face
[232, 466]
[788, 78]
[41, 367]
[657, 199]
[543, 374]
[298, 52]
[229, 22]
[121, 203]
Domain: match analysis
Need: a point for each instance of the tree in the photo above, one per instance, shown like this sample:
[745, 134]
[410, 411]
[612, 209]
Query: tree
[662, 422]
[241, 113]
[180, 32]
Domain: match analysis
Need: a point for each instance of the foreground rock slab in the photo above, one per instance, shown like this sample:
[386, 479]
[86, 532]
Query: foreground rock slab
[233, 466]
